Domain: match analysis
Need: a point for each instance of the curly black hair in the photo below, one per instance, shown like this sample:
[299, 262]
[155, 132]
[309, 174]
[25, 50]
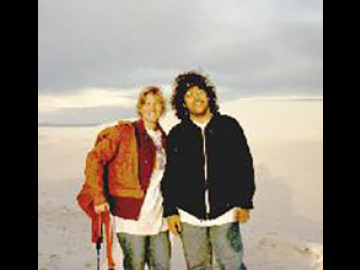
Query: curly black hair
[188, 80]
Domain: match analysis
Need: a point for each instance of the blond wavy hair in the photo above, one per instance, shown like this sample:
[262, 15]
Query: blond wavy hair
[154, 90]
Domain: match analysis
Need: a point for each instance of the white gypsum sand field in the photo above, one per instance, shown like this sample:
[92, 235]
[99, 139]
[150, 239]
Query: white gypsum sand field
[286, 227]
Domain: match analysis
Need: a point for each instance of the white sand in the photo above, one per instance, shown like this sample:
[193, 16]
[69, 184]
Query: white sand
[286, 227]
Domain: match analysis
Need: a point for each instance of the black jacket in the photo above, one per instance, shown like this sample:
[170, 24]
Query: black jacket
[230, 175]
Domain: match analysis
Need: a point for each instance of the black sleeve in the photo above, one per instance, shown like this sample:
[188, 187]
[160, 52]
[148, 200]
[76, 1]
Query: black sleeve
[244, 196]
[170, 178]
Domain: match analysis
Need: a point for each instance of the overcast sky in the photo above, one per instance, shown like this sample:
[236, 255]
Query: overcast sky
[103, 50]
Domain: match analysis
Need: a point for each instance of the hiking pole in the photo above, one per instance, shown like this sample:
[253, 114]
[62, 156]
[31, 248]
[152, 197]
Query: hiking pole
[99, 241]
[98, 247]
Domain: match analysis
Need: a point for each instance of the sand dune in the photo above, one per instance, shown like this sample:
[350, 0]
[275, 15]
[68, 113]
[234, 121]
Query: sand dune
[285, 230]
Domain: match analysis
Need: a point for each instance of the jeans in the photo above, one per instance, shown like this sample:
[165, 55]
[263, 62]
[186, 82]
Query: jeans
[224, 241]
[138, 250]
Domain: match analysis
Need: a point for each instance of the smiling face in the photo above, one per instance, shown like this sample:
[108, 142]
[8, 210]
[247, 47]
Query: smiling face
[152, 108]
[197, 102]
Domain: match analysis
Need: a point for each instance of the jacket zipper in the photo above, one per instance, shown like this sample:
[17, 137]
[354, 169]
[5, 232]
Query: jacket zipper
[207, 202]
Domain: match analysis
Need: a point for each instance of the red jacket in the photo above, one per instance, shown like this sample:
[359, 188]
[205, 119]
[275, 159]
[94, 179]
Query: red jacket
[127, 161]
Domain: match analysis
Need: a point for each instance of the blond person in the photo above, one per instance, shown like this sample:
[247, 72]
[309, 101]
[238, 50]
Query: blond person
[130, 156]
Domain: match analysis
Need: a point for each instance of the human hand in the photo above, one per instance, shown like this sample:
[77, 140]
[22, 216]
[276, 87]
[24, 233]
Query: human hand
[242, 215]
[102, 208]
[174, 224]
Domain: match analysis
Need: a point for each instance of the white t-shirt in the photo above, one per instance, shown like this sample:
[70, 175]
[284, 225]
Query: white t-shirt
[151, 219]
[227, 217]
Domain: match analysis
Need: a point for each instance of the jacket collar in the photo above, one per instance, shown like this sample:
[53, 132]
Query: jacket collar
[213, 119]
[142, 130]
[141, 124]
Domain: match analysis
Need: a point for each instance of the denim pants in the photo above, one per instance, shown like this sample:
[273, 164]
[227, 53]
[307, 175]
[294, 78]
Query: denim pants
[138, 250]
[200, 243]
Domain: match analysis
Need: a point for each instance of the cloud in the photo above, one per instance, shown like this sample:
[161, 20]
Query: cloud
[254, 47]
[91, 106]
[87, 98]
[86, 116]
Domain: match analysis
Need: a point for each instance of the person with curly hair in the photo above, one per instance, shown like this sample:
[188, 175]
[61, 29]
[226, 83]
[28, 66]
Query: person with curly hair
[208, 184]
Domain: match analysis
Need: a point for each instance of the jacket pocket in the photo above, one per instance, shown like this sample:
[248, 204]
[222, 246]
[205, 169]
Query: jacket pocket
[130, 193]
